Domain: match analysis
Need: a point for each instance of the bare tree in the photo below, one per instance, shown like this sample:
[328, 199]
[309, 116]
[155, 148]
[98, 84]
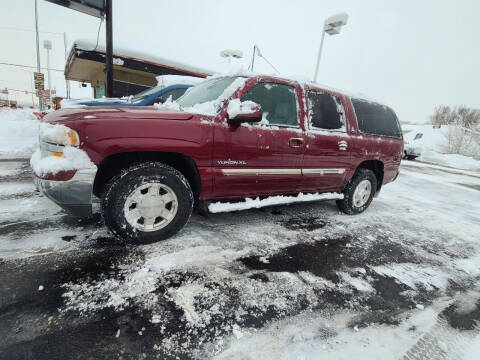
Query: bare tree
[460, 115]
[462, 135]
[441, 115]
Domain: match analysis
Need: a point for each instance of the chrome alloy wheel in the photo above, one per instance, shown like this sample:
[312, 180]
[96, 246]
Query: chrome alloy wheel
[150, 207]
[362, 193]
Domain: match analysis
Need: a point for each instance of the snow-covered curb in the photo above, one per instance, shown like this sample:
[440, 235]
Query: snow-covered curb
[256, 203]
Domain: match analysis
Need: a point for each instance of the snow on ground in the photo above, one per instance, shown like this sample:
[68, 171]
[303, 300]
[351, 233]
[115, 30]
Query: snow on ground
[439, 167]
[292, 281]
[300, 280]
[451, 160]
[18, 133]
[433, 147]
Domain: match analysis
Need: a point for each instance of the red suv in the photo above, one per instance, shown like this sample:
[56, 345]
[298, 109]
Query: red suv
[226, 138]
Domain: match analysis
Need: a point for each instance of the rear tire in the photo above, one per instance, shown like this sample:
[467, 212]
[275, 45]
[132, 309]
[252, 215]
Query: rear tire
[147, 202]
[359, 192]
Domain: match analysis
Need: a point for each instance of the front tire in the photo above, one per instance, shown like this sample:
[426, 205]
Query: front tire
[147, 202]
[359, 192]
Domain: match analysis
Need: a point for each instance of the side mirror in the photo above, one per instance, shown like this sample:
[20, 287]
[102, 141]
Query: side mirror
[243, 111]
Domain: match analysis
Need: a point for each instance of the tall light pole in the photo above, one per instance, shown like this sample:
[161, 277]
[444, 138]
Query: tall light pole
[67, 83]
[38, 53]
[332, 26]
[47, 44]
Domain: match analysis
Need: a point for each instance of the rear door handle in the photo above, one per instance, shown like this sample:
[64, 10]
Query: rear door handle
[295, 142]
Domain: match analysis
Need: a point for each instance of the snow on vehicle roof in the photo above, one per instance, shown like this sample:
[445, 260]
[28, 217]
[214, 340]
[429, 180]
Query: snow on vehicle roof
[302, 81]
[169, 80]
[89, 45]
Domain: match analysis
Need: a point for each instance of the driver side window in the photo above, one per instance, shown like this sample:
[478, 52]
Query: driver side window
[278, 102]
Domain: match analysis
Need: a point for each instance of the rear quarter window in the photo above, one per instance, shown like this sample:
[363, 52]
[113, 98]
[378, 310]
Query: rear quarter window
[376, 119]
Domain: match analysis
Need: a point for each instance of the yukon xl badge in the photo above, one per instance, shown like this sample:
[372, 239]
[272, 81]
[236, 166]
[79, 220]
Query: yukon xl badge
[232, 162]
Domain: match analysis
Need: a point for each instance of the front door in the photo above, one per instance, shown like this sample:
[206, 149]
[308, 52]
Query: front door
[261, 158]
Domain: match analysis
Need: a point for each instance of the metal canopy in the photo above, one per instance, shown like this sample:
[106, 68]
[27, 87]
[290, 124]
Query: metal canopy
[90, 7]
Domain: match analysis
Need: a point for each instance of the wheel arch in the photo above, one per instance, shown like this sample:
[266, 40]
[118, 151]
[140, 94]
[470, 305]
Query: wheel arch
[377, 167]
[113, 164]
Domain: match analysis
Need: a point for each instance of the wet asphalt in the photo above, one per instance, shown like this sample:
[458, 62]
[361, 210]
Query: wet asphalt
[32, 325]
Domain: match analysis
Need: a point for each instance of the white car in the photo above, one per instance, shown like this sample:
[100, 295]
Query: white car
[410, 149]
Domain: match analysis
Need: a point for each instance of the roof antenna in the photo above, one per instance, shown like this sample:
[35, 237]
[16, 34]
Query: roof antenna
[256, 50]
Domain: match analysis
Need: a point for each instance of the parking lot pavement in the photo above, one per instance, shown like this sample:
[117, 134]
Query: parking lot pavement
[400, 281]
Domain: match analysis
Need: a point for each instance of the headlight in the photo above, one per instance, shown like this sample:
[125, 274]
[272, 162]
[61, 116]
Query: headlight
[54, 138]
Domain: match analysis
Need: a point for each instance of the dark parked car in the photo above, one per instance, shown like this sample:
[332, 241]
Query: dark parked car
[157, 94]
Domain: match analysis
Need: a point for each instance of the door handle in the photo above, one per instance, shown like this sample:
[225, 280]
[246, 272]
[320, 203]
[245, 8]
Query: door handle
[295, 142]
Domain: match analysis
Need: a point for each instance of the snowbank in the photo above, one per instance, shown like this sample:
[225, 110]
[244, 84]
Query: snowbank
[451, 160]
[271, 200]
[18, 133]
[433, 146]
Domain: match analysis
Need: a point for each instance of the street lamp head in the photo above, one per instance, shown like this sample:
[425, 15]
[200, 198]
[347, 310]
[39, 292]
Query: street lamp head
[332, 26]
[229, 53]
[334, 23]
[47, 44]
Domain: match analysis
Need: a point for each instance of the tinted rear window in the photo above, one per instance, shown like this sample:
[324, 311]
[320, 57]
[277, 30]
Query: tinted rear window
[376, 119]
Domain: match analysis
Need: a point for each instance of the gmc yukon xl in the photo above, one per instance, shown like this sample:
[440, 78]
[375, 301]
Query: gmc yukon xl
[226, 138]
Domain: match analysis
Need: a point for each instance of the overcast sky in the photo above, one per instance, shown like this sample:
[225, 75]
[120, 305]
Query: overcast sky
[412, 55]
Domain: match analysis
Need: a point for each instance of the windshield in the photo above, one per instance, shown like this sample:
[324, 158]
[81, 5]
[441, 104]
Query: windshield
[205, 92]
[142, 95]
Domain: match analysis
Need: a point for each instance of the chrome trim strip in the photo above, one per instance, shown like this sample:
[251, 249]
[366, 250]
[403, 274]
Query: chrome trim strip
[229, 172]
[323, 171]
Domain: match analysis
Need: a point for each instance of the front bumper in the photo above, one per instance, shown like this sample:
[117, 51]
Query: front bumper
[410, 151]
[74, 195]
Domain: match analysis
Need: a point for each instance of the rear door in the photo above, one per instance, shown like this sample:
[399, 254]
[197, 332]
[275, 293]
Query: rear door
[327, 156]
[274, 165]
